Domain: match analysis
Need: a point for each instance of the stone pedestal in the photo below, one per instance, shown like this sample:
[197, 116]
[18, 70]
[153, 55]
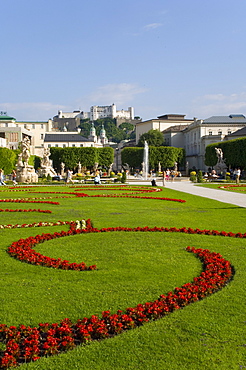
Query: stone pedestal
[26, 174]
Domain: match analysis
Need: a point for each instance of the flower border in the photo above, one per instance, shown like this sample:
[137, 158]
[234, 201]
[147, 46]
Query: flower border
[25, 344]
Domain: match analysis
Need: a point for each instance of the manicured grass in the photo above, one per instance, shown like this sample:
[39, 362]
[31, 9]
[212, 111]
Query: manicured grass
[241, 188]
[132, 268]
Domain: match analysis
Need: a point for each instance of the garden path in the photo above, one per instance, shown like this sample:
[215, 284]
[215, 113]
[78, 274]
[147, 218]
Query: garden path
[191, 188]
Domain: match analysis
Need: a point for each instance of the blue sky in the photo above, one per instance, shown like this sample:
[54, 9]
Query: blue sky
[159, 56]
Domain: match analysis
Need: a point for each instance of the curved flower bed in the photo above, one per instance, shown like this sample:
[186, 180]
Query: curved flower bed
[239, 187]
[81, 195]
[24, 344]
[25, 210]
[27, 201]
[34, 224]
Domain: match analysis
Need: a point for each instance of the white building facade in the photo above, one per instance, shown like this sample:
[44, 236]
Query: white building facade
[209, 131]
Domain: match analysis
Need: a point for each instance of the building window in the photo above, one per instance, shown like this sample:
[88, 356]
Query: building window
[25, 126]
[229, 132]
[56, 145]
[41, 136]
[33, 126]
[64, 145]
[210, 133]
[81, 145]
[219, 132]
[49, 145]
[73, 144]
[42, 126]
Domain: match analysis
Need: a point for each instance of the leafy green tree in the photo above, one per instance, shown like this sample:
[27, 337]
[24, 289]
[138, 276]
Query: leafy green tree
[153, 138]
[85, 127]
[126, 126]
[8, 159]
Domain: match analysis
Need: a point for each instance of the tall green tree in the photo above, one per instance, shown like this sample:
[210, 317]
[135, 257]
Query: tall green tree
[153, 138]
[8, 159]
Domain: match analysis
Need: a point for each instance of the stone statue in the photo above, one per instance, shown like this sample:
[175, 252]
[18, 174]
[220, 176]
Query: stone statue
[220, 166]
[110, 169]
[46, 164]
[25, 146]
[24, 171]
[79, 167]
[62, 169]
[219, 154]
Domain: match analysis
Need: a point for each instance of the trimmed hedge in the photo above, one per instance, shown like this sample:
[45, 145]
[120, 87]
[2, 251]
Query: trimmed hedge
[234, 153]
[86, 156]
[166, 155]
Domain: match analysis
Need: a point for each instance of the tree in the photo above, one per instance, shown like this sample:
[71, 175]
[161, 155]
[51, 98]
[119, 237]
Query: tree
[8, 159]
[153, 138]
[126, 126]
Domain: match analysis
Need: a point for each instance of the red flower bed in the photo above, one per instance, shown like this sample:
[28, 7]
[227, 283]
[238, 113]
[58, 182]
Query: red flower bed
[24, 344]
[25, 210]
[114, 196]
[27, 201]
[23, 251]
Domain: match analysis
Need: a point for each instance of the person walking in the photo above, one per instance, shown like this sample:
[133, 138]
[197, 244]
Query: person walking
[14, 177]
[237, 175]
[69, 176]
[2, 178]
[164, 178]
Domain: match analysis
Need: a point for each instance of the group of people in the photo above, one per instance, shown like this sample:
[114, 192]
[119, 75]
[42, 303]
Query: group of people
[97, 179]
[2, 183]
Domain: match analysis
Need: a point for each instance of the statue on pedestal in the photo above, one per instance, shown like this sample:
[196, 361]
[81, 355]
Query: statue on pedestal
[46, 164]
[24, 171]
[220, 166]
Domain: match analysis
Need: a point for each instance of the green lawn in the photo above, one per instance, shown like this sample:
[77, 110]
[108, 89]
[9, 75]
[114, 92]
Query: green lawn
[132, 268]
[241, 188]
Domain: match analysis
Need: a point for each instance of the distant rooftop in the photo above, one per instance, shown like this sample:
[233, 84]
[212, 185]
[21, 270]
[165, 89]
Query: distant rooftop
[241, 132]
[172, 116]
[176, 128]
[232, 118]
[67, 137]
[4, 117]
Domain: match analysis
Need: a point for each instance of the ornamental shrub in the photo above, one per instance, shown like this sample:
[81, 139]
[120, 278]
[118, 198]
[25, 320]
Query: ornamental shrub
[123, 178]
[193, 177]
[199, 176]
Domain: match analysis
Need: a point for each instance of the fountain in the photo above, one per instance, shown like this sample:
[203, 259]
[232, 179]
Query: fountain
[145, 164]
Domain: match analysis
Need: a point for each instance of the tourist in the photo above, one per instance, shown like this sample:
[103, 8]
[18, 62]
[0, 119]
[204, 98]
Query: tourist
[2, 178]
[163, 178]
[167, 174]
[14, 177]
[153, 182]
[69, 176]
[97, 180]
[237, 175]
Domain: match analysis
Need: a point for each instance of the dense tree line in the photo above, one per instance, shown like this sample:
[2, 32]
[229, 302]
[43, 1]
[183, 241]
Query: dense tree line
[234, 153]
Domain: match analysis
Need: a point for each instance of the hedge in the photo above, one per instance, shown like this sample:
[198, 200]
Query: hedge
[165, 155]
[86, 156]
[234, 152]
